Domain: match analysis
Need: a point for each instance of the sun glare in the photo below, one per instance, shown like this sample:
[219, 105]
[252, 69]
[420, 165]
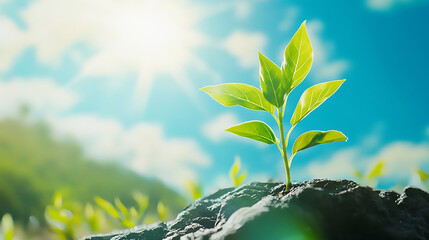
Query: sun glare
[150, 37]
[150, 30]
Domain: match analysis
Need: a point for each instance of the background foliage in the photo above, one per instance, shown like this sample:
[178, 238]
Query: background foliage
[33, 166]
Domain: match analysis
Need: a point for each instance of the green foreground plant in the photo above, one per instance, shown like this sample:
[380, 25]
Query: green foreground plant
[276, 84]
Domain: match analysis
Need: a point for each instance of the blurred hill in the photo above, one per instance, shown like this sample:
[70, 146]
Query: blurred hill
[33, 166]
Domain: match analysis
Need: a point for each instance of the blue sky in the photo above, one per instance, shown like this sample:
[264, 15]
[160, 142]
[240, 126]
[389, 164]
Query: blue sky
[122, 79]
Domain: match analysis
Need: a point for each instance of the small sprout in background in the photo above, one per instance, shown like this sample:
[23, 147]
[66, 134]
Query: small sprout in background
[7, 227]
[33, 226]
[276, 84]
[94, 218]
[423, 177]
[142, 203]
[162, 211]
[372, 175]
[194, 189]
[233, 172]
[120, 215]
[377, 171]
[107, 207]
[60, 219]
[126, 217]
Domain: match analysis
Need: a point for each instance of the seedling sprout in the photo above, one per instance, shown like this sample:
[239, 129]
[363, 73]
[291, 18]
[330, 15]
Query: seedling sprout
[276, 84]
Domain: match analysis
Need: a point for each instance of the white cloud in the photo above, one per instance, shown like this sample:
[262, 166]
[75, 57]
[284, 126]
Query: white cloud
[242, 9]
[400, 159]
[101, 138]
[220, 181]
[373, 139]
[12, 43]
[144, 148]
[380, 4]
[244, 46]
[144, 37]
[215, 128]
[385, 5]
[338, 166]
[42, 96]
[259, 177]
[324, 68]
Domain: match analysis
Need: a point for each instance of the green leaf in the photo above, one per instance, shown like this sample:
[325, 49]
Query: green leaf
[233, 94]
[7, 226]
[57, 200]
[235, 167]
[162, 211]
[313, 138]
[270, 76]
[91, 218]
[422, 175]
[377, 170]
[312, 98]
[142, 202]
[108, 207]
[298, 59]
[357, 174]
[194, 189]
[134, 214]
[55, 219]
[240, 179]
[255, 130]
[121, 207]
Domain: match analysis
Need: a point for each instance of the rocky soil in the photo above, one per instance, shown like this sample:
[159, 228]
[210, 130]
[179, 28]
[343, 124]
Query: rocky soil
[316, 209]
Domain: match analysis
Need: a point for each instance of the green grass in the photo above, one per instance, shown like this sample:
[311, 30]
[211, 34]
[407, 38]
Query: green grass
[33, 166]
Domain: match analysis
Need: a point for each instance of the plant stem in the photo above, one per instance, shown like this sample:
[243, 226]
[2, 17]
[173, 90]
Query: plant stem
[281, 151]
[290, 159]
[288, 134]
[288, 182]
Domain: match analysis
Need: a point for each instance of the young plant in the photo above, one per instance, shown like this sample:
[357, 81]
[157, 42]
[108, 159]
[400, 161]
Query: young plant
[372, 175]
[7, 227]
[127, 217]
[277, 83]
[233, 172]
[194, 189]
[423, 177]
[62, 220]
[162, 211]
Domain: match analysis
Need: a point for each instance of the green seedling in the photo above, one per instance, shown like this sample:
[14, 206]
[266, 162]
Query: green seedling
[7, 227]
[423, 177]
[233, 172]
[162, 211]
[127, 217]
[194, 189]
[372, 175]
[277, 83]
[62, 220]
[94, 218]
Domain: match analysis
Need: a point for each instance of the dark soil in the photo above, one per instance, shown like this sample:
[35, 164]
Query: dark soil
[316, 209]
